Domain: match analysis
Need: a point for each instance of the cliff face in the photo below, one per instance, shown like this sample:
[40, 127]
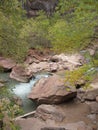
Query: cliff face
[34, 6]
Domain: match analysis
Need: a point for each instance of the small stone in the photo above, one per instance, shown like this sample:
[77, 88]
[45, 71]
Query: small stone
[97, 99]
[51, 112]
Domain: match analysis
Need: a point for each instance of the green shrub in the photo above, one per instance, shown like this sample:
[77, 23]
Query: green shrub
[84, 73]
[74, 30]
[11, 23]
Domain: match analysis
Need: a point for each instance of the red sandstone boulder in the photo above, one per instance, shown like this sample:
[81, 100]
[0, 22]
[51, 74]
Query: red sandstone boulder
[51, 90]
[51, 112]
[20, 73]
[7, 63]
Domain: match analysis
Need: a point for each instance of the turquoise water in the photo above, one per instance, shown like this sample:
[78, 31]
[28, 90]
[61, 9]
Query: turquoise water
[22, 89]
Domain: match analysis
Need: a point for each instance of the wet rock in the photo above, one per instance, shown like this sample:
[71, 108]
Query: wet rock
[50, 112]
[20, 73]
[7, 63]
[51, 90]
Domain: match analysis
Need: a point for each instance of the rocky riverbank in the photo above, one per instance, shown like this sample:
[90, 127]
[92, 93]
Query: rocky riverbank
[60, 107]
[35, 63]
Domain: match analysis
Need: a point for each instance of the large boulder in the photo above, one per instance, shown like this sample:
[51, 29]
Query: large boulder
[51, 90]
[20, 73]
[50, 112]
[7, 63]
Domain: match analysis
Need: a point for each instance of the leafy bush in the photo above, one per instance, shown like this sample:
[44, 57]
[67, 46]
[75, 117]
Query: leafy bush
[35, 31]
[74, 31]
[80, 75]
[11, 23]
[7, 114]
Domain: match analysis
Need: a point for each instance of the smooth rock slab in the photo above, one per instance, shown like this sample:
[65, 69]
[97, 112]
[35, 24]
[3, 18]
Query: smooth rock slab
[77, 126]
[37, 124]
[51, 90]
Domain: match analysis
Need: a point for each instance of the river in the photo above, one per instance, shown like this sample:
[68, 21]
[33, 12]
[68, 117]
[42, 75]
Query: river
[22, 90]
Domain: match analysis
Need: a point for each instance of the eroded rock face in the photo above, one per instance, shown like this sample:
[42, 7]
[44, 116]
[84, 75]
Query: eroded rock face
[51, 90]
[7, 63]
[20, 73]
